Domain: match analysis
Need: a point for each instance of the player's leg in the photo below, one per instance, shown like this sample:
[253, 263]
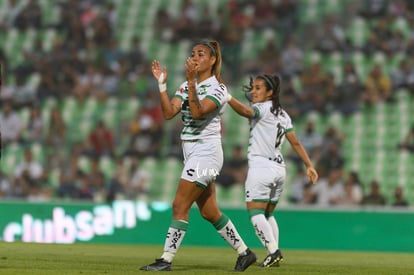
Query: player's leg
[210, 211]
[261, 225]
[187, 193]
[275, 257]
[260, 190]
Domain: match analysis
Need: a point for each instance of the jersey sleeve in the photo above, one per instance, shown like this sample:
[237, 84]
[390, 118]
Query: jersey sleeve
[289, 124]
[181, 91]
[218, 94]
[259, 110]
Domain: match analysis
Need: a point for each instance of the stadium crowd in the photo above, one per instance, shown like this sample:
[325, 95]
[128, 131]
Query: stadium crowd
[86, 61]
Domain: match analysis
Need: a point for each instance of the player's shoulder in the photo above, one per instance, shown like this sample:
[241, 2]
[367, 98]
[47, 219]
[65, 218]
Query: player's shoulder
[183, 89]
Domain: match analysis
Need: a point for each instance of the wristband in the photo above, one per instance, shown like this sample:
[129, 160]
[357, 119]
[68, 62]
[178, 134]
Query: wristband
[229, 97]
[162, 86]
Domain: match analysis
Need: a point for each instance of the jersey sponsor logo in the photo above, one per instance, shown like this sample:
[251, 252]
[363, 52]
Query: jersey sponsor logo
[219, 94]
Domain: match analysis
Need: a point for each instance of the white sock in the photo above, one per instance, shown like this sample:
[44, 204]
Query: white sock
[275, 229]
[264, 232]
[175, 236]
[230, 234]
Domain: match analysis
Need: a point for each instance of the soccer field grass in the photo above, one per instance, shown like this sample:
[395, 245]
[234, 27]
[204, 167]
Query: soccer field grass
[25, 258]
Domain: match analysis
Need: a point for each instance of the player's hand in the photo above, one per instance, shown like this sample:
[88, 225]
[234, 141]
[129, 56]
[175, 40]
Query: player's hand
[157, 71]
[190, 67]
[312, 174]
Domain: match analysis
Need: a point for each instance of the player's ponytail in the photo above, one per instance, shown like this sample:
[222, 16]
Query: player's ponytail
[215, 50]
[273, 83]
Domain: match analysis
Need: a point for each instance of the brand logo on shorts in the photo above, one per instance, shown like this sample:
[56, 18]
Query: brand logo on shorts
[206, 172]
[190, 172]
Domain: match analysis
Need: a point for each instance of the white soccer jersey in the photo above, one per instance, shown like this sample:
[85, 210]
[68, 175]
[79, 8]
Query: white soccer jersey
[267, 133]
[208, 127]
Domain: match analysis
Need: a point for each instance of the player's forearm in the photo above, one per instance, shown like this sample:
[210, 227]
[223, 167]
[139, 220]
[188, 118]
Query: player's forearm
[166, 106]
[196, 108]
[240, 108]
[298, 148]
[302, 154]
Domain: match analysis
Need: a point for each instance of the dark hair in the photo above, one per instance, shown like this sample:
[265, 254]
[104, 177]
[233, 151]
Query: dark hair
[214, 48]
[272, 82]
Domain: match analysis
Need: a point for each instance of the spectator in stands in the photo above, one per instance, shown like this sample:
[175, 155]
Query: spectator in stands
[11, 125]
[206, 26]
[231, 34]
[377, 86]
[352, 190]
[374, 9]
[5, 185]
[88, 14]
[35, 127]
[96, 180]
[85, 189]
[402, 77]
[234, 169]
[399, 199]
[298, 186]
[264, 16]
[23, 95]
[313, 81]
[163, 25]
[267, 60]
[374, 196]
[89, 83]
[68, 183]
[30, 16]
[8, 18]
[380, 36]
[48, 84]
[76, 34]
[330, 37]
[291, 100]
[331, 161]
[184, 24]
[408, 142]
[110, 83]
[56, 132]
[146, 129]
[56, 139]
[329, 190]
[31, 174]
[136, 186]
[396, 44]
[349, 91]
[111, 15]
[287, 17]
[102, 31]
[136, 56]
[174, 148]
[101, 140]
[292, 58]
[113, 55]
[332, 135]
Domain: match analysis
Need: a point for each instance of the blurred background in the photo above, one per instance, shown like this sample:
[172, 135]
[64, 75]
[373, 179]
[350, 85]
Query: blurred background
[80, 117]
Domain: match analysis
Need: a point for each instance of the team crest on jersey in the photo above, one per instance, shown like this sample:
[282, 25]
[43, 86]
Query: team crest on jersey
[202, 90]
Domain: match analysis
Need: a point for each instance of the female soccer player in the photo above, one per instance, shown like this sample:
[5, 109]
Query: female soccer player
[269, 125]
[201, 100]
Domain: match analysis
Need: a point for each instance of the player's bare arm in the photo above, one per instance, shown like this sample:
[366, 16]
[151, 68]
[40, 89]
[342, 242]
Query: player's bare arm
[170, 108]
[300, 150]
[241, 108]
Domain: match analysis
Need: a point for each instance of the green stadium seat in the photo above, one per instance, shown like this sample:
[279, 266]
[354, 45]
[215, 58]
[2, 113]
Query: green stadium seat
[358, 31]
